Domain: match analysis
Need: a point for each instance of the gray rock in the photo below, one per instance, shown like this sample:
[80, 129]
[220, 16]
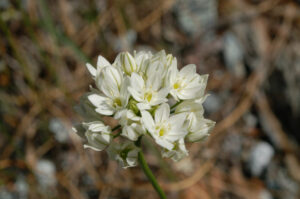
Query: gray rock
[124, 42]
[45, 173]
[195, 16]
[4, 4]
[250, 120]
[279, 181]
[260, 157]
[232, 146]
[265, 194]
[4, 194]
[58, 128]
[233, 55]
[22, 187]
[212, 103]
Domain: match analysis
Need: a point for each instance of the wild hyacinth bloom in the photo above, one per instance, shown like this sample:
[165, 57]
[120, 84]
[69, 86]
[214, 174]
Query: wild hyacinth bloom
[137, 90]
[164, 129]
[126, 153]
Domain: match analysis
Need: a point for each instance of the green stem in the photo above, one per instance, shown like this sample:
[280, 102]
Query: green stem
[177, 103]
[116, 128]
[148, 172]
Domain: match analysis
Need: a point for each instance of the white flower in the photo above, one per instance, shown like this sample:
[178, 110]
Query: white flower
[177, 153]
[114, 88]
[142, 60]
[196, 124]
[126, 62]
[101, 63]
[193, 110]
[98, 135]
[126, 153]
[186, 83]
[148, 93]
[200, 130]
[160, 63]
[136, 90]
[131, 126]
[164, 129]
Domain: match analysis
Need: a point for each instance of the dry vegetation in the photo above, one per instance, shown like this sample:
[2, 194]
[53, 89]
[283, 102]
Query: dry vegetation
[249, 48]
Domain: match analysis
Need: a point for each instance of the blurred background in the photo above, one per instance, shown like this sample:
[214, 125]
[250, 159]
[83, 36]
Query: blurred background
[250, 49]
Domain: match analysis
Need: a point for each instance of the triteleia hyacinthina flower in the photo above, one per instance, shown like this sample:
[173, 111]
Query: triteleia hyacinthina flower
[165, 129]
[137, 90]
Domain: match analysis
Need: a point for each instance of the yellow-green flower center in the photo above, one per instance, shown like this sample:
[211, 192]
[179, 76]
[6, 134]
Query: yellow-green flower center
[176, 85]
[161, 132]
[148, 96]
[117, 102]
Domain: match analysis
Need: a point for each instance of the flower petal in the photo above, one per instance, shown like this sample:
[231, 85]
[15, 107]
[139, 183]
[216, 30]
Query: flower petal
[148, 122]
[102, 62]
[97, 100]
[162, 113]
[91, 69]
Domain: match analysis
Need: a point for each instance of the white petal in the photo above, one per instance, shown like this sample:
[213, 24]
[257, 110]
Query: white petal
[102, 62]
[102, 104]
[87, 146]
[162, 113]
[176, 134]
[111, 82]
[189, 93]
[204, 128]
[177, 120]
[201, 99]
[126, 62]
[130, 115]
[97, 100]
[135, 94]
[164, 143]
[188, 70]
[154, 80]
[136, 81]
[130, 133]
[162, 93]
[97, 140]
[99, 127]
[124, 92]
[148, 121]
[129, 60]
[105, 111]
[178, 153]
[91, 69]
[115, 74]
[172, 74]
[143, 106]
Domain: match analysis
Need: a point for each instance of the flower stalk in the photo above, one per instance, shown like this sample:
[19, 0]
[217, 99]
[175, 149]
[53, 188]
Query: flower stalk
[148, 171]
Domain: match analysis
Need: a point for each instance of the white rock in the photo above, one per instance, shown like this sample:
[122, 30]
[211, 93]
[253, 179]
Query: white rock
[4, 194]
[45, 172]
[265, 194]
[233, 55]
[195, 16]
[22, 187]
[59, 129]
[260, 156]
[212, 103]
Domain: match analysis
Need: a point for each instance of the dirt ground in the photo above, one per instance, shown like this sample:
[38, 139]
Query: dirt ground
[249, 48]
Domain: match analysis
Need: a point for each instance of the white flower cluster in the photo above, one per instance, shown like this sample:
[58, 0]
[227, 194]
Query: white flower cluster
[148, 95]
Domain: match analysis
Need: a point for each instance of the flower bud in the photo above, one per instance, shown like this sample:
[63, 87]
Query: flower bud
[126, 153]
[126, 62]
[98, 135]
